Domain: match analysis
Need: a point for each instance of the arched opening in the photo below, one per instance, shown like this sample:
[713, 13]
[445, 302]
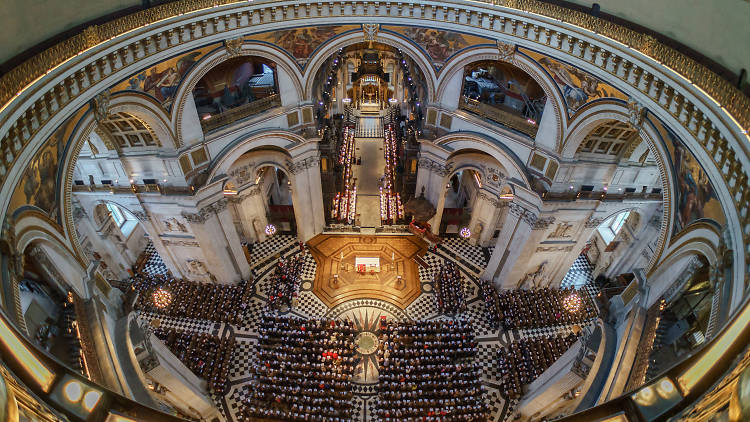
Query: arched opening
[460, 193]
[503, 93]
[49, 306]
[235, 89]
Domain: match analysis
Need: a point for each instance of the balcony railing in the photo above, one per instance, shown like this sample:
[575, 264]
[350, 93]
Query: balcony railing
[498, 115]
[238, 113]
[150, 188]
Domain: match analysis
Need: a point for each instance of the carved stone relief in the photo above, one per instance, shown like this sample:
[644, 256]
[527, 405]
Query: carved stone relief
[562, 230]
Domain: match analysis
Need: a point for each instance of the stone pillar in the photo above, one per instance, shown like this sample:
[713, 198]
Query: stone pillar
[307, 193]
[484, 215]
[432, 176]
[513, 236]
[190, 129]
[165, 253]
[220, 245]
[252, 213]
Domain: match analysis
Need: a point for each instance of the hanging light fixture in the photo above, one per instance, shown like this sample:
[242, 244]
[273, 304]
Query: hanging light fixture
[162, 298]
[572, 303]
[465, 233]
[270, 229]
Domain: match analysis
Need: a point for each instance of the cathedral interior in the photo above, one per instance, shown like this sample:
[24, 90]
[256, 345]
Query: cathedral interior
[506, 210]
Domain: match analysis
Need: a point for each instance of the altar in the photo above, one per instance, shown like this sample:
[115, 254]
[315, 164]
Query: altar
[367, 264]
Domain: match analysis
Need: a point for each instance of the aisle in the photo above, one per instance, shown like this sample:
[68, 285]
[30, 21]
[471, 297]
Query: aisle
[368, 176]
[370, 127]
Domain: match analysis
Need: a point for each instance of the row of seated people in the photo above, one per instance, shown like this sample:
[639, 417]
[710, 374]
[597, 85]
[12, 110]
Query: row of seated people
[450, 289]
[524, 309]
[524, 360]
[427, 373]
[215, 302]
[285, 281]
[491, 303]
[303, 371]
[208, 356]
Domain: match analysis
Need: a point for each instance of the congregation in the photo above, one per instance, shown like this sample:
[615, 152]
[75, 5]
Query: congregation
[285, 281]
[303, 370]
[524, 360]
[207, 356]
[450, 289]
[428, 373]
[524, 309]
[188, 299]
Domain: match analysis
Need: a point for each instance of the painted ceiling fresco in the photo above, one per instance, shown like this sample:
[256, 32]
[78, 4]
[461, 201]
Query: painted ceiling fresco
[439, 45]
[577, 87]
[302, 42]
[696, 199]
[38, 187]
[162, 80]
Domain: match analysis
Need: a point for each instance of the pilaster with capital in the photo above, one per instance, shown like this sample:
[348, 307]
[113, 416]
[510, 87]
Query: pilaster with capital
[249, 207]
[307, 192]
[220, 245]
[517, 227]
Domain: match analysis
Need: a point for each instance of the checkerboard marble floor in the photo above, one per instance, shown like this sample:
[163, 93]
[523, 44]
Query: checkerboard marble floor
[471, 260]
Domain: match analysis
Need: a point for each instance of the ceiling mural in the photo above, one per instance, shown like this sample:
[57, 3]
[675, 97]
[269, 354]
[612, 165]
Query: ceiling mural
[38, 185]
[696, 198]
[439, 45]
[162, 80]
[578, 87]
[302, 42]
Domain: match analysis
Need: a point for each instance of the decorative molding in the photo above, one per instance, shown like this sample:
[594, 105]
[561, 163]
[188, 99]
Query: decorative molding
[371, 31]
[233, 46]
[190, 243]
[100, 105]
[432, 165]
[299, 166]
[506, 51]
[567, 248]
[543, 223]
[636, 113]
[206, 212]
[593, 222]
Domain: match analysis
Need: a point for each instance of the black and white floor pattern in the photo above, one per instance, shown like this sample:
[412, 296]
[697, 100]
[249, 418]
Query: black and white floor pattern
[154, 264]
[471, 259]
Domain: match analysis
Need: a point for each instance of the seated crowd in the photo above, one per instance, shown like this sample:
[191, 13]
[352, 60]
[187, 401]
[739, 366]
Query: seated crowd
[214, 302]
[524, 309]
[524, 360]
[427, 373]
[285, 281]
[491, 303]
[206, 355]
[303, 371]
[450, 289]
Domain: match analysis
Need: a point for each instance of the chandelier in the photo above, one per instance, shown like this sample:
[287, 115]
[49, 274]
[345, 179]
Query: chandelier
[572, 303]
[465, 233]
[270, 230]
[162, 298]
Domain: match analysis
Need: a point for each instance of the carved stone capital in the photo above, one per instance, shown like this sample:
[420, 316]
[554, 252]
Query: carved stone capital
[432, 165]
[299, 166]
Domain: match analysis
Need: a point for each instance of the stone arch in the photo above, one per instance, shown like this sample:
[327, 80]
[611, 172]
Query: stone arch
[326, 50]
[210, 60]
[511, 163]
[456, 65]
[278, 139]
[702, 240]
[35, 231]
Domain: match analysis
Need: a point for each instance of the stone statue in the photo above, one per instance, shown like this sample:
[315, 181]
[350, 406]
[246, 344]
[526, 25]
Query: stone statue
[536, 278]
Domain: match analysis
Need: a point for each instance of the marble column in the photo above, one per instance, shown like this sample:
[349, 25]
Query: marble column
[214, 230]
[516, 230]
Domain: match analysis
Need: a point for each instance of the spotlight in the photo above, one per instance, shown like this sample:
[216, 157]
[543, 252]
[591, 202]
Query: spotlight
[91, 399]
[73, 391]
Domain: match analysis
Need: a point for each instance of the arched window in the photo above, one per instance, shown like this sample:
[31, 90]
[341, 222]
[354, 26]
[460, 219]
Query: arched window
[609, 229]
[116, 214]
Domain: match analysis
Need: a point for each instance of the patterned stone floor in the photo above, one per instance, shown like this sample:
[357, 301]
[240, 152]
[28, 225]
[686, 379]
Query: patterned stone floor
[366, 314]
